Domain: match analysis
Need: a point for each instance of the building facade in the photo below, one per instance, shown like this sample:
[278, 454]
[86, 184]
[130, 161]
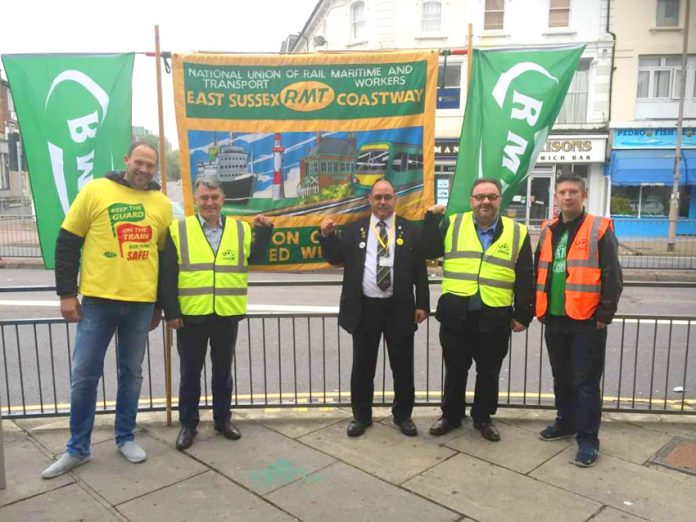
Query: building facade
[644, 110]
[579, 140]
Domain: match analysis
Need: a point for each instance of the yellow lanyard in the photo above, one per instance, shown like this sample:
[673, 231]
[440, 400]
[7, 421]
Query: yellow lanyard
[390, 234]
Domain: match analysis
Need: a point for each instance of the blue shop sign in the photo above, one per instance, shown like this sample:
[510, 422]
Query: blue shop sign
[657, 138]
[448, 97]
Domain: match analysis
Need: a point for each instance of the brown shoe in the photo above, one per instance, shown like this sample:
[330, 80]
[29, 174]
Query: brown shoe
[442, 426]
[488, 430]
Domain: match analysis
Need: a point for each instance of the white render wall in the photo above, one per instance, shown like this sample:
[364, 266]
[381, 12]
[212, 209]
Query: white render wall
[396, 24]
[633, 22]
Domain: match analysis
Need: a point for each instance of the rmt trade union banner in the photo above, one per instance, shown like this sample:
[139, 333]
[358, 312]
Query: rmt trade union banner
[304, 137]
[514, 98]
[74, 114]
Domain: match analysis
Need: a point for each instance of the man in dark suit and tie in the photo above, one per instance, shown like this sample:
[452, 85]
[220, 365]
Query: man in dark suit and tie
[382, 266]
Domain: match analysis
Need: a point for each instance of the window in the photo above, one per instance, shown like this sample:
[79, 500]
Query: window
[574, 109]
[667, 13]
[357, 20]
[559, 13]
[644, 201]
[431, 17]
[4, 172]
[494, 14]
[659, 77]
[450, 76]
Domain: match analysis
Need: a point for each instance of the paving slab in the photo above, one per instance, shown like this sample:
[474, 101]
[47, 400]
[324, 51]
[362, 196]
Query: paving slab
[9, 426]
[262, 460]
[54, 506]
[207, 497]
[117, 480]
[156, 426]
[342, 493]
[609, 514]
[383, 450]
[631, 442]
[297, 422]
[484, 491]
[24, 463]
[518, 449]
[623, 485]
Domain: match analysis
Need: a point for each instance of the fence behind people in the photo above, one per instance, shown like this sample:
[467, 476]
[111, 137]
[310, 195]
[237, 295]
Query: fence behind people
[642, 242]
[304, 360]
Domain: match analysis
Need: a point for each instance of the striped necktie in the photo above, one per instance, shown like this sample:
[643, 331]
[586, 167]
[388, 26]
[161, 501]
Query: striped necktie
[383, 272]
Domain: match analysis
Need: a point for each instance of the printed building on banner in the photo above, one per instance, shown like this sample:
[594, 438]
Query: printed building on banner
[644, 111]
[578, 142]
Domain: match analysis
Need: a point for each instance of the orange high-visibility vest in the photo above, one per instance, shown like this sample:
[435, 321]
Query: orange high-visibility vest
[584, 280]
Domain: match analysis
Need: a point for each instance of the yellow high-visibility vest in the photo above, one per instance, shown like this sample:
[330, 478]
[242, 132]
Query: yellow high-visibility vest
[467, 269]
[210, 283]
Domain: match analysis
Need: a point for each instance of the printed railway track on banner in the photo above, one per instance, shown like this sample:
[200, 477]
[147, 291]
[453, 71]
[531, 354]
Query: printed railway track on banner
[344, 206]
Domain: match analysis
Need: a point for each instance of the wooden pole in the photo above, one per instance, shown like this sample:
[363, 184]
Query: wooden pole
[469, 55]
[160, 114]
[168, 371]
[163, 181]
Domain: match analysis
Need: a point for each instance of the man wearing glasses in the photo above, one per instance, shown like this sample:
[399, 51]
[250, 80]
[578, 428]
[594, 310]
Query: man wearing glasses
[382, 267]
[487, 292]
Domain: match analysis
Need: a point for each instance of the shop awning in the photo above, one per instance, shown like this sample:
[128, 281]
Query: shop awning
[655, 166]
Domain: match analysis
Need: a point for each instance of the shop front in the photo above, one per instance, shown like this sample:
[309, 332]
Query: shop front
[641, 169]
[583, 155]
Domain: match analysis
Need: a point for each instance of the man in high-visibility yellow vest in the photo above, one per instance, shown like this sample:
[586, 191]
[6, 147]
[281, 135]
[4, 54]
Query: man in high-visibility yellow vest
[203, 290]
[487, 292]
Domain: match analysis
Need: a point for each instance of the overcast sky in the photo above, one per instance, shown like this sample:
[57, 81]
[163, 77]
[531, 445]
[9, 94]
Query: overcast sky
[41, 26]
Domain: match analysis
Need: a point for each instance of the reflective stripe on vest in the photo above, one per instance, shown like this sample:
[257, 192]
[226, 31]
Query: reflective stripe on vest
[212, 283]
[467, 269]
[583, 280]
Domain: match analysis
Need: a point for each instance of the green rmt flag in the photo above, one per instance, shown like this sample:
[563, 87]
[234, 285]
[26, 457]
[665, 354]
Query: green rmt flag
[74, 115]
[513, 100]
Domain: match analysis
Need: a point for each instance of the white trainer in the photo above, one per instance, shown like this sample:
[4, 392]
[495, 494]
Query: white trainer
[65, 463]
[132, 452]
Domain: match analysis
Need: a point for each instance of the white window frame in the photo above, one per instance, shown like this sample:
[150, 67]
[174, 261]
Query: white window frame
[661, 6]
[429, 22]
[358, 25]
[554, 7]
[674, 71]
[578, 90]
[487, 11]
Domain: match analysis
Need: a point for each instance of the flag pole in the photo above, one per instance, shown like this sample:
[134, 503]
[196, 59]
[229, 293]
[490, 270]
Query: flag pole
[163, 181]
[469, 55]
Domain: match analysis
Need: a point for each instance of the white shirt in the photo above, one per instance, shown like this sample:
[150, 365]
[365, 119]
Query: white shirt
[213, 234]
[369, 283]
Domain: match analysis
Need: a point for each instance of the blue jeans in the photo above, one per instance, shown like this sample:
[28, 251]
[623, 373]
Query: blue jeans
[576, 353]
[100, 319]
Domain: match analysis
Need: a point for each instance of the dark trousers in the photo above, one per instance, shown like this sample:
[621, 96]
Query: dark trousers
[576, 353]
[378, 317]
[192, 344]
[460, 345]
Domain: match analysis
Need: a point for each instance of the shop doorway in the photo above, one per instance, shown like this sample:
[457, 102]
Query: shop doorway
[533, 203]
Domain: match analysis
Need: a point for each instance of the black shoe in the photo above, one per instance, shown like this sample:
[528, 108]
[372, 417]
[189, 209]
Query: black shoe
[357, 428]
[407, 427]
[587, 455]
[556, 432]
[229, 430]
[442, 426]
[488, 430]
[185, 437]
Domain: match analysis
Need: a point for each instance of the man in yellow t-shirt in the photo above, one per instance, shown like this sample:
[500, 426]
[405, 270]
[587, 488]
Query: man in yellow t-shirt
[120, 222]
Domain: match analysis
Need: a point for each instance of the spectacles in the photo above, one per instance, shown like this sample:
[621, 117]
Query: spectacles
[385, 197]
[489, 197]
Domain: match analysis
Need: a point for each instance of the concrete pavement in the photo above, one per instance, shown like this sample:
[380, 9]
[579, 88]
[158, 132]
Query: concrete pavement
[298, 464]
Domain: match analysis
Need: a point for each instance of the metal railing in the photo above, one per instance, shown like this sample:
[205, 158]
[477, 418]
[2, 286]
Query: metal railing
[642, 242]
[289, 360]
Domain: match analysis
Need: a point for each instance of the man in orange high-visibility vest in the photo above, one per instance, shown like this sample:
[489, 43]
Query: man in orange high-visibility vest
[579, 284]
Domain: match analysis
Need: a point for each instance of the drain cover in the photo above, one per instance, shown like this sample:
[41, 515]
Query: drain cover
[678, 454]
